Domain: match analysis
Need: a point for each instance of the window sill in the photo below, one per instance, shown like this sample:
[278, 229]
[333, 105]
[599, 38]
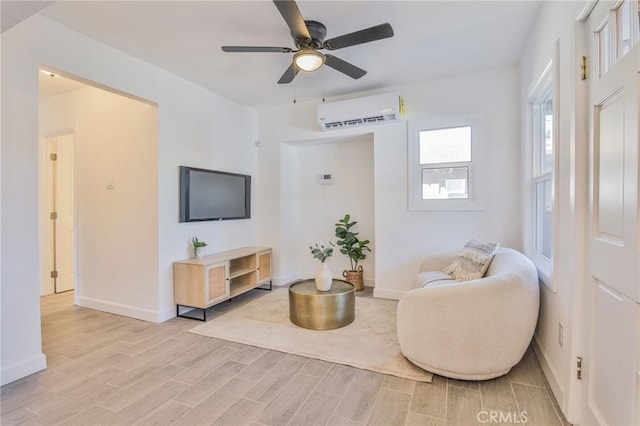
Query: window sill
[545, 274]
[546, 280]
[444, 206]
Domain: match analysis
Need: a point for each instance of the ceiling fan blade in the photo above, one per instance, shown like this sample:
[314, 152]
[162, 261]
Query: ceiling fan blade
[292, 16]
[344, 67]
[256, 49]
[289, 74]
[363, 36]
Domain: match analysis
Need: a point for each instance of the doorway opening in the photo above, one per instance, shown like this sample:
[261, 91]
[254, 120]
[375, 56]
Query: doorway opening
[98, 168]
[57, 182]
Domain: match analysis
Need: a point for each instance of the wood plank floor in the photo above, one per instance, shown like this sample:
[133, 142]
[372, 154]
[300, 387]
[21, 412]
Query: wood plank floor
[106, 369]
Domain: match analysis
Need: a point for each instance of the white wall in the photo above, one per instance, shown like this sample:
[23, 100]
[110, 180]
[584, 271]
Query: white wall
[557, 24]
[312, 209]
[116, 230]
[195, 127]
[404, 238]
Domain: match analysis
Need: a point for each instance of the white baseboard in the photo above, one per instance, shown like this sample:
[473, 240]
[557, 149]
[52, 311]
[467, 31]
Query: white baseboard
[124, 310]
[382, 293]
[167, 314]
[23, 369]
[280, 281]
[549, 372]
[291, 278]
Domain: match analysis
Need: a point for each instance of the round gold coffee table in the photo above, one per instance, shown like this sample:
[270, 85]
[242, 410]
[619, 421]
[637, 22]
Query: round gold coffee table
[322, 310]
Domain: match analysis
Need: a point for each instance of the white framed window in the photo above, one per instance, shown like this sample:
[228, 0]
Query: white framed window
[605, 54]
[543, 143]
[617, 34]
[624, 24]
[441, 166]
[544, 137]
[445, 158]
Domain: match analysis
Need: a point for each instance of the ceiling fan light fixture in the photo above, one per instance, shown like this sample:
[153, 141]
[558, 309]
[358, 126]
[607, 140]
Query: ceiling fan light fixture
[308, 60]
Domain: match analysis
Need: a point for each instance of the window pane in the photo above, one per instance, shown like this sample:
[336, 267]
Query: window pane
[546, 142]
[604, 43]
[623, 16]
[452, 145]
[544, 219]
[445, 183]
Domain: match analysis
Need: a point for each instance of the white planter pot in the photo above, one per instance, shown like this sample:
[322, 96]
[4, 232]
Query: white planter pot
[198, 252]
[324, 278]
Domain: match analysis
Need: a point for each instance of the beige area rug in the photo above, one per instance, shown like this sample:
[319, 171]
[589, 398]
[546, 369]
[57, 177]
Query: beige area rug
[369, 342]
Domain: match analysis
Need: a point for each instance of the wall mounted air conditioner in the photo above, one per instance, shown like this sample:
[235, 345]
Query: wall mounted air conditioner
[384, 108]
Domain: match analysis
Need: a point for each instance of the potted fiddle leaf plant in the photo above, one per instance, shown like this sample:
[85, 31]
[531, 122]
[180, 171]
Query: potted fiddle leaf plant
[354, 248]
[323, 277]
[198, 247]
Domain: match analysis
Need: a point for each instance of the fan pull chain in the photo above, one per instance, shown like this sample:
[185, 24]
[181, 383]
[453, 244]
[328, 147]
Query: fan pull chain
[294, 93]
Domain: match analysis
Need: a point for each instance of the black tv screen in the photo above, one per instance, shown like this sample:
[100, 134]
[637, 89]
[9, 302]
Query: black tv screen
[213, 195]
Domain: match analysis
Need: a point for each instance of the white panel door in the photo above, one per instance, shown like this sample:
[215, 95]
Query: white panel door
[612, 321]
[63, 237]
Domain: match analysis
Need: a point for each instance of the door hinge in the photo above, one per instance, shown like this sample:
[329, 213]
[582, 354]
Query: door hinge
[579, 368]
[53, 215]
[583, 68]
[53, 157]
[54, 274]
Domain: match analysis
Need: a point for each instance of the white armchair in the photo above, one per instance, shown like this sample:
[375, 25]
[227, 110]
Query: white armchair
[471, 330]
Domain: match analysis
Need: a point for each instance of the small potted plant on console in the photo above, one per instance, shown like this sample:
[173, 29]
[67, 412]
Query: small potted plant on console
[198, 248]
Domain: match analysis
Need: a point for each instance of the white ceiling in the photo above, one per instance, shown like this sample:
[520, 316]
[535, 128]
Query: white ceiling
[13, 12]
[432, 40]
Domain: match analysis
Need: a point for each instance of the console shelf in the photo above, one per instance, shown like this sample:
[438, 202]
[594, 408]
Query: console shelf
[241, 272]
[201, 283]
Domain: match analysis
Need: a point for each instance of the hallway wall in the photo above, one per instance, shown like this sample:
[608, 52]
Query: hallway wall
[116, 143]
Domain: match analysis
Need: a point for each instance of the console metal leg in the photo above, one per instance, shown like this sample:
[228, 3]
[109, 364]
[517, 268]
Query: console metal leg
[204, 313]
[267, 289]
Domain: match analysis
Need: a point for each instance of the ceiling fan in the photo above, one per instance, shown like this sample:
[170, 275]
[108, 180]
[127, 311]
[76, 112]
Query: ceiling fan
[308, 37]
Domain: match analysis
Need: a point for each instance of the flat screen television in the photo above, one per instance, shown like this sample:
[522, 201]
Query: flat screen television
[213, 195]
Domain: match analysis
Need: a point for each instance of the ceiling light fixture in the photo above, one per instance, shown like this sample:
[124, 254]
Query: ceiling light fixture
[308, 60]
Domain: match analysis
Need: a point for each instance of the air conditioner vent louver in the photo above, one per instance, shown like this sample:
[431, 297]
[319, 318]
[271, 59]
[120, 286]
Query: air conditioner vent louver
[378, 118]
[361, 111]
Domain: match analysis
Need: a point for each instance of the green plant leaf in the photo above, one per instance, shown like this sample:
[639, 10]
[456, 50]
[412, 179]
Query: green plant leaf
[348, 241]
